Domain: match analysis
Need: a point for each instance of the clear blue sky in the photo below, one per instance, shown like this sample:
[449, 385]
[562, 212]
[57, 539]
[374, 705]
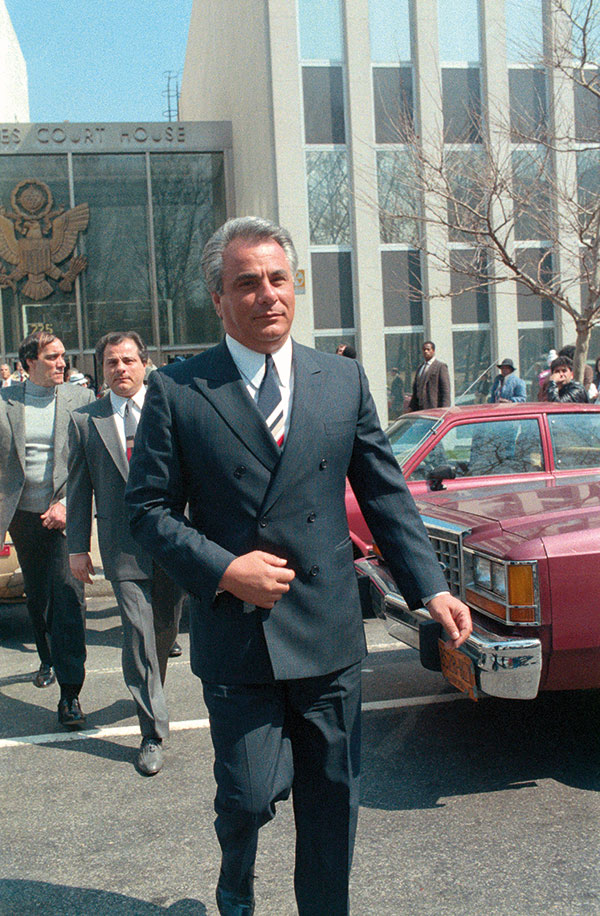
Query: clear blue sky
[100, 60]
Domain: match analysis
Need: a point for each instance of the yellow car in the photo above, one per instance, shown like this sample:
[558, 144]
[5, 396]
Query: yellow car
[11, 577]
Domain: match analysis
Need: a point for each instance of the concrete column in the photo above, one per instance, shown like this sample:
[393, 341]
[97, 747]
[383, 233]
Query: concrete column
[368, 289]
[503, 297]
[436, 277]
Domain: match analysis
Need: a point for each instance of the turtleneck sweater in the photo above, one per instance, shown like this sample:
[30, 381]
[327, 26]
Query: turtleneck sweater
[40, 410]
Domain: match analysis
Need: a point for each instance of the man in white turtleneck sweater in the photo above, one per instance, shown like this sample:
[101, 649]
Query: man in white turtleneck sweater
[34, 418]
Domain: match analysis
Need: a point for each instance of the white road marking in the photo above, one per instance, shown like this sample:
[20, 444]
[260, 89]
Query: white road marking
[120, 731]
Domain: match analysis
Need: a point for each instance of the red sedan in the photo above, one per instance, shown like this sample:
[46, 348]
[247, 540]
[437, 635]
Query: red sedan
[485, 444]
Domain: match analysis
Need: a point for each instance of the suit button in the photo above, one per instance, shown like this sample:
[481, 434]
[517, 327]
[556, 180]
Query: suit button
[314, 571]
[263, 522]
[323, 464]
[311, 517]
[239, 472]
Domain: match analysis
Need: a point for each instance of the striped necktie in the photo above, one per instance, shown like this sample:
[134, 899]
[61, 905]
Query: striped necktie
[269, 401]
[131, 424]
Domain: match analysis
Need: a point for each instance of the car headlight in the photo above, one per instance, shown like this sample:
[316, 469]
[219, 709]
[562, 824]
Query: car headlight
[499, 579]
[482, 572]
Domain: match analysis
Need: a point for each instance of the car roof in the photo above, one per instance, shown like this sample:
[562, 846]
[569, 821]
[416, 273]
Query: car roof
[477, 411]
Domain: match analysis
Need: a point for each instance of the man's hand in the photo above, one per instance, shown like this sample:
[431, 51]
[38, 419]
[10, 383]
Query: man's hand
[454, 616]
[82, 566]
[258, 578]
[55, 517]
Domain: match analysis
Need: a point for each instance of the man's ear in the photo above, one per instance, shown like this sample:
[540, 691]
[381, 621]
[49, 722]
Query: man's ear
[217, 304]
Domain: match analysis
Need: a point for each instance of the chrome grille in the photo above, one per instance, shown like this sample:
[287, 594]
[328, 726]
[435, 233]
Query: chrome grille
[447, 549]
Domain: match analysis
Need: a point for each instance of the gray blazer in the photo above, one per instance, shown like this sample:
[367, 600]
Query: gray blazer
[202, 442]
[98, 466]
[12, 444]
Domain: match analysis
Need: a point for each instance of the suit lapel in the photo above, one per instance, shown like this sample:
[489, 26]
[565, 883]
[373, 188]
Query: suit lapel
[15, 411]
[62, 416]
[308, 379]
[221, 384]
[104, 422]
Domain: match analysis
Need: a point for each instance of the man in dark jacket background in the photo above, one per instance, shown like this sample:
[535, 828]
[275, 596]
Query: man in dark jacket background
[562, 386]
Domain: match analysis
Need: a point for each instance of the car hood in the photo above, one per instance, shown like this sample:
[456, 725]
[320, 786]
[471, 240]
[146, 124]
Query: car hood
[528, 510]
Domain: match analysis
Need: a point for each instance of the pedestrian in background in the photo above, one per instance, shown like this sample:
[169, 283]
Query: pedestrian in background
[562, 386]
[431, 385]
[5, 378]
[101, 437]
[507, 387]
[34, 417]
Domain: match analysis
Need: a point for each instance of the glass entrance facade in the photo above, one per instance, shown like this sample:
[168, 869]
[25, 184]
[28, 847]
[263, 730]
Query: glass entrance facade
[154, 199]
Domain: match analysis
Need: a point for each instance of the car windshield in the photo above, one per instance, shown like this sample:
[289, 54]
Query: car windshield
[407, 434]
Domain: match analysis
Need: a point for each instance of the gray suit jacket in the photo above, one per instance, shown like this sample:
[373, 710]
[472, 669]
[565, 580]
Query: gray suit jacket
[432, 388]
[203, 442]
[98, 466]
[12, 444]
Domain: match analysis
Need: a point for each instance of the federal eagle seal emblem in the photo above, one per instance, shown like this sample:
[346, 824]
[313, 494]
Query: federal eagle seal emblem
[36, 239]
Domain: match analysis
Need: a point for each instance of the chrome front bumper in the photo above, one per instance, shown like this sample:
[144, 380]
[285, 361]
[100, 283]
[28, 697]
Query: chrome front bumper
[508, 667]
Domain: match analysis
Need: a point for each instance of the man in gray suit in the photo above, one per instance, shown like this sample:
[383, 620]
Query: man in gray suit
[431, 385]
[34, 417]
[101, 438]
[257, 436]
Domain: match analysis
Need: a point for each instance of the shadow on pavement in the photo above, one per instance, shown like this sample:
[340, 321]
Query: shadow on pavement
[18, 897]
[463, 748]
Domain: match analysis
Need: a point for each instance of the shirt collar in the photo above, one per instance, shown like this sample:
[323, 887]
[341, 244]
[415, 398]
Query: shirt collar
[251, 364]
[118, 403]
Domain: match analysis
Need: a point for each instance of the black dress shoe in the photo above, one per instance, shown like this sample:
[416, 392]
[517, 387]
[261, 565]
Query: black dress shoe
[176, 650]
[230, 904]
[150, 757]
[44, 677]
[70, 713]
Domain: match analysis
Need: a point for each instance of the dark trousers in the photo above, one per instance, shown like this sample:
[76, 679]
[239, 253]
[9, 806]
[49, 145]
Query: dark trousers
[303, 736]
[55, 599]
[167, 602]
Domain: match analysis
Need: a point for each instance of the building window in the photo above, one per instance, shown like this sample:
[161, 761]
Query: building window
[402, 359]
[466, 206]
[534, 347]
[531, 194]
[458, 30]
[528, 110]
[333, 303]
[328, 197]
[397, 197]
[321, 36]
[188, 204]
[323, 105]
[389, 31]
[587, 107]
[393, 104]
[470, 296]
[402, 288]
[531, 306]
[461, 101]
[329, 342]
[471, 365]
[116, 284]
[524, 31]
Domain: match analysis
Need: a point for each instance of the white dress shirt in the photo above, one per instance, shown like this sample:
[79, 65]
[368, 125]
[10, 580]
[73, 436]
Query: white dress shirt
[251, 366]
[118, 405]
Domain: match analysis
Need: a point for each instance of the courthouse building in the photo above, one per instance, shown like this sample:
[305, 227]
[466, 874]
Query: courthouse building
[311, 88]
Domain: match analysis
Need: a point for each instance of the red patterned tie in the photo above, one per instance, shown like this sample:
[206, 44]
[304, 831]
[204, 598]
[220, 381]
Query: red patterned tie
[269, 401]
[131, 423]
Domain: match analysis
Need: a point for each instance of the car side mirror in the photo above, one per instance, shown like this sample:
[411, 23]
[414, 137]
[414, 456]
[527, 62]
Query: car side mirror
[437, 475]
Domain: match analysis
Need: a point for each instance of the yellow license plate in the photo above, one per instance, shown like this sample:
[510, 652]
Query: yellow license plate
[458, 669]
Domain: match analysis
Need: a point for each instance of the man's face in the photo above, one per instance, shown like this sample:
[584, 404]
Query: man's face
[562, 375]
[4, 370]
[258, 300]
[123, 368]
[48, 370]
[505, 370]
[428, 352]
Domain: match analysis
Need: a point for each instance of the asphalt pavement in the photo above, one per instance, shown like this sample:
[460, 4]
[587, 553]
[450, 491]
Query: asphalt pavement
[467, 808]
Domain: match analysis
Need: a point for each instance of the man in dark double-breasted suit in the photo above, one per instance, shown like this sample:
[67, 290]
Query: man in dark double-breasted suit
[100, 440]
[257, 436]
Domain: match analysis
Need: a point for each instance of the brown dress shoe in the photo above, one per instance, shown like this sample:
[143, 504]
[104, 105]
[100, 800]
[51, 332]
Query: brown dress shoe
[44, 676]
[70, 713]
